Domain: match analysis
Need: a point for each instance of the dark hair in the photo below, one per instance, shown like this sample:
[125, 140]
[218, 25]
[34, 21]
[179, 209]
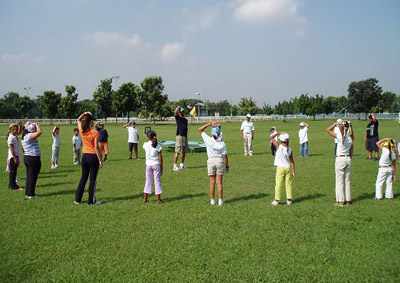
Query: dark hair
[153, 137]
[76, 129]
[86, 119]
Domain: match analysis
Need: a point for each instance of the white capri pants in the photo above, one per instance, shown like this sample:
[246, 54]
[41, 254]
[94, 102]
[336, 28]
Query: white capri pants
[247, 144]
[384, 174]
[343, 185]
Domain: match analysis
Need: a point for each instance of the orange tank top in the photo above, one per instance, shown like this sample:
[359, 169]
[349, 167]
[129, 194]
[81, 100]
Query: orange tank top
[88, 141]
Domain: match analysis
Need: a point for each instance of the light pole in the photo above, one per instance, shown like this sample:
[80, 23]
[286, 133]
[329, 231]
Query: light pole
[116, 78]
[27, 90]
[199, 93]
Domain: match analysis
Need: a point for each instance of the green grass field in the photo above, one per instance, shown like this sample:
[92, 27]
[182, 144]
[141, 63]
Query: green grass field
[185, 238]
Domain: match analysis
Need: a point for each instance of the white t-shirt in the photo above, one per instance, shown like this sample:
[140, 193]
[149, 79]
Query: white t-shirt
[282, 156]
[133, 134]
[336, 130]
[77, 141]
[15, 142]
[303, 135]
[247, 127]
[30, 146]
[343, 149]
[56, 140]
[384, 160]
[151, 153]
[215, 148]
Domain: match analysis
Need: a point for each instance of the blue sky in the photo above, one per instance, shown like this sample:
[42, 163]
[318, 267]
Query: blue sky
[268, 49]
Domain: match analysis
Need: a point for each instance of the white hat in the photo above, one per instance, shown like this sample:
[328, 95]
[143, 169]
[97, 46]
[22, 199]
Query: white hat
[339, 120]
[31, 128]
[302, 124]
[284, 137]
[248, 116]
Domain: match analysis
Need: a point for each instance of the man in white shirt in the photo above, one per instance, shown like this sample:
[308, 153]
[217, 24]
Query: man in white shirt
[133, 138]
[247, 133]
[303, 137]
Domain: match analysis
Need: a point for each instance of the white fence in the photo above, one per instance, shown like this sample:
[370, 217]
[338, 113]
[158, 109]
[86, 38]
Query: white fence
[121, 120]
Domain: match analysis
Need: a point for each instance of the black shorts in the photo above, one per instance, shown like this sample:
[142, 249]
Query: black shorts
[132, 146]
[370, 144]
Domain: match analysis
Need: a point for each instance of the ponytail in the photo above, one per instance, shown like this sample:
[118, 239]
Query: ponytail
[153, 137]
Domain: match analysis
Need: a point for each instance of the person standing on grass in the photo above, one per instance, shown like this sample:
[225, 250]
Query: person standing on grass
[56, 147]
[33, 164]
[284, 162]
[103, 140]
[343, 163]
[91, 159]
[133, 138]
[217, 163]
[336, 131]
[247, 133]
[13, 159]
[76, 146]
[387, 168]
[272, 131]
[303, 137]
[372, 137]
[154, 166]
[181, 141]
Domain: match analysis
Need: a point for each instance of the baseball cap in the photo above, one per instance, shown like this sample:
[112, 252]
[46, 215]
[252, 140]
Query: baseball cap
[302, 124]
[215, 131]
[339, 120]
[31, 128]
[132, 122]
[248, 116]
[181, 109]
[284, 137]
[272, 128]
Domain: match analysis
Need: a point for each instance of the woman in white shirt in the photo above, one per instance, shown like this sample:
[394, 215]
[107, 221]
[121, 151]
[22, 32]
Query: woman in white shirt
[217, 163]
[283, 162]
[387, 168]
[13, 159]
[343, 163]
[154, 166]
[55, 149]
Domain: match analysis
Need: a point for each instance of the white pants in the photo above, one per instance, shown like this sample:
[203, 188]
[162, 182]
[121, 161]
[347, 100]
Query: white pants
[343, 185]
[247, 142]
[384, 174]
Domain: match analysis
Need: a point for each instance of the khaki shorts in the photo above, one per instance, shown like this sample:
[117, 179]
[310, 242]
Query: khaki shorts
[181, 144]
[216, 166]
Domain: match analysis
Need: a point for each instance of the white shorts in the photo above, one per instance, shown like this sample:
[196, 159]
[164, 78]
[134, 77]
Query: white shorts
[216, 166]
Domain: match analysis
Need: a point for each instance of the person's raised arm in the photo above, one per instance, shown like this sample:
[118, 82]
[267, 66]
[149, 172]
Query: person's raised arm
[226, 161]
[98, 151]
[38, 132]
[79, 120]
[202, 128]
[126, 125]
[54, 130]
[272, 138]
[330, 131]
[379, 143]
[176, 111]
[292, 166]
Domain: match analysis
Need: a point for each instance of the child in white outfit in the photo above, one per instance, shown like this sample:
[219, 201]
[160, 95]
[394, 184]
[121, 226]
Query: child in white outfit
[387, 168]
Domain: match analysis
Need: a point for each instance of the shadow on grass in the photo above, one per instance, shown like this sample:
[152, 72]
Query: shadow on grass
[54, 184]
[196, 167]
[364, 197]
[58, 171]
[315, 154]
[182, 197]
[59, 193]
[309, 197]
[53, 176]
[260, 153]
[124, 198]
[246, 198]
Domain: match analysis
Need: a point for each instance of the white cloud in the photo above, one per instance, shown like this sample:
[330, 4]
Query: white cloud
[113, 39]
[269, 11]
[200, 20]
[172, 50]
[20, 57]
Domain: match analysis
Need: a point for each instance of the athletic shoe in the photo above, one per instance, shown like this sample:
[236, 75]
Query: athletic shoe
[289, 202]
[75, 202]
[53, 167]
[31, 197]
[96, 203]
[245, 154]
[250, 154]
[175, 168]
[76, 163]
[274, 202]
[19, 189]
[378, 198]
[105, 159]
[212, 201]
[220, 202]
[340, 204]
[138, 158]
[182, 166]
[56, 166]
[130, 158]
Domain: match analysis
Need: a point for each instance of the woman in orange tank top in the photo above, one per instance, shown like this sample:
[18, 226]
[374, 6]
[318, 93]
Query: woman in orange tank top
[91, 158]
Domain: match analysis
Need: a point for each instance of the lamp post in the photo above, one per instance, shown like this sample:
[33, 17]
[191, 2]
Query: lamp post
[27, 90]
[116, 78]
[199, 93]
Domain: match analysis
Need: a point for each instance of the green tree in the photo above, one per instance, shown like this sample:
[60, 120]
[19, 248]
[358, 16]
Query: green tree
[49, 101]
[86, 105]
[68, 106]
[103, 97]
[363, 95]
[284, 108]
[267, 109]
[152, 96]
[387, 100]
[247, 105]
[126, 98]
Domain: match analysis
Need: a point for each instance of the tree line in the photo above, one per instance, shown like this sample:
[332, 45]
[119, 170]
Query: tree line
[148, 100]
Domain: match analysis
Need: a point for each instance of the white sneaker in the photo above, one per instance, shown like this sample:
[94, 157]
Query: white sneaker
[182, 166]
[52, 167]
[75, 202]
[251, 154]
[212, 201]
[97, 203]
[289, 202]
[274, 203]
[220, 202]
[31, 197]
[55, 166]
[245, 154]
[175, 168]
